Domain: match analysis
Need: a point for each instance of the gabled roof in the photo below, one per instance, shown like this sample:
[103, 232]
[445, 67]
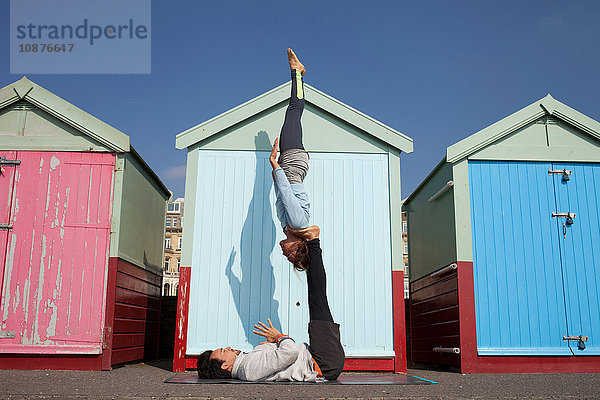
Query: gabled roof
[282, 93]
[546, 106]
[24, 89]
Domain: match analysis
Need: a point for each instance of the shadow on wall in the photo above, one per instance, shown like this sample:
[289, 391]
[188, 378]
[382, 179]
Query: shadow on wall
[254, 293]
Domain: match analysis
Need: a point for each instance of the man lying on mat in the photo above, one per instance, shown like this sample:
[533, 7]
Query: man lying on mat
[279, 359]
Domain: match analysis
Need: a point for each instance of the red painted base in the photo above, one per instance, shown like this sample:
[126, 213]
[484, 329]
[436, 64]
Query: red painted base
[369, 364]
[54, 362]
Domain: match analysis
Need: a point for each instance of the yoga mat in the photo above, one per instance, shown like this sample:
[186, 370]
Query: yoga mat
[344, 379]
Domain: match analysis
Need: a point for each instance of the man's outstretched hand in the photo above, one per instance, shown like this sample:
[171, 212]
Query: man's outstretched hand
[273, 156]
[269, 332]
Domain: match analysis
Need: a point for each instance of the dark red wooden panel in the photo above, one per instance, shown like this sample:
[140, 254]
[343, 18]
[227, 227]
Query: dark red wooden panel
[446, 328]
[435, 316]
[137, 285]
[135, 326]
[135, 312]
[124, 340]
[368, 364]
[137, 272]
[56, 362]
[427, 292]
[435, 303]
[127, 296]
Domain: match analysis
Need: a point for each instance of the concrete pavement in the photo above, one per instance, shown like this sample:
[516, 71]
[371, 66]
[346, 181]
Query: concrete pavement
[145, 381]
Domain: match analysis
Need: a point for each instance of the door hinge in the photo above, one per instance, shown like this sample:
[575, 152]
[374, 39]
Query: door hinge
[580, 340]
[4, 161]
[564, 172]
[7, 334]
[6, 227]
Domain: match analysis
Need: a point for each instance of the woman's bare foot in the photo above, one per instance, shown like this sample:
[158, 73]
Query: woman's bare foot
[294, 62]
[308, 234]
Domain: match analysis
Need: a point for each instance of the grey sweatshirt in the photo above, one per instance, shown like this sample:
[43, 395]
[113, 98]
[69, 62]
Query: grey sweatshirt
[281, 361]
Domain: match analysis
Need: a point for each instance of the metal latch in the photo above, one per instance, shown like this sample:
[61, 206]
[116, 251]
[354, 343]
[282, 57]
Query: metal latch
[4, 161]
[564, 172]
[7, 334]
[6, 227]
[580, 339]
[568, 215]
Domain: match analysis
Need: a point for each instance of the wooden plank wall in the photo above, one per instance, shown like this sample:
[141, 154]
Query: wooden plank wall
[434, 319]
[137, 314]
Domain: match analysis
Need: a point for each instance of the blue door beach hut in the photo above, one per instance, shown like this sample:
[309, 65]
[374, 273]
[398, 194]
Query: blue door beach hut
[504, 247]
[232, 271]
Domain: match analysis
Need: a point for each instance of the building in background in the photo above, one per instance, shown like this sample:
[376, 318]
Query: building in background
[173, 237]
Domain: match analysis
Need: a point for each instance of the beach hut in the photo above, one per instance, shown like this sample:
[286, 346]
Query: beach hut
[504, 247]
[232, 271]
[81, 238]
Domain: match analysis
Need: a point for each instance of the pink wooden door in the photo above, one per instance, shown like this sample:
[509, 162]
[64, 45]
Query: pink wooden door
[53, 291]
[7, 180]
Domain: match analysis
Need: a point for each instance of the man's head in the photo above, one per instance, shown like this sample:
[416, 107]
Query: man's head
[214, 364]
[296, 251]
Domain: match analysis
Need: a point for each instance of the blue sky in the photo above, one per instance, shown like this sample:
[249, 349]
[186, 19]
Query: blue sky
[436, 71]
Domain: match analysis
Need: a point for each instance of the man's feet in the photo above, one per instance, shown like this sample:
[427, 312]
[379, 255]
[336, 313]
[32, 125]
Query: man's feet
[294, 62]
[308, 234]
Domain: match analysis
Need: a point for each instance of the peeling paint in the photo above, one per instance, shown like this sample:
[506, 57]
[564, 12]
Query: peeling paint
[18, 299]
[54, 162]
[8, 273]
[41, 164]
[39, 293]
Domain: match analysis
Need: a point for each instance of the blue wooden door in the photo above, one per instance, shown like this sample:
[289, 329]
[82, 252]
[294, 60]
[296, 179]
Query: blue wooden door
[519, 300]
[537, 277]
[580, 251]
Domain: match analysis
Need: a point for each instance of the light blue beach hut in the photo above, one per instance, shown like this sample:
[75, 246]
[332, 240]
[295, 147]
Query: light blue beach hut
[231, 233]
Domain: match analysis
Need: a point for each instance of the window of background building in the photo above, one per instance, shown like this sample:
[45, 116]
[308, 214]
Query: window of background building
[406, 289]
[178, 264]
[405, 247]
[168, 222]
[167, 243]
[167, 287]
[179, 243]
[173, 207]
[175, 222]
[166, 265]
[404, 226]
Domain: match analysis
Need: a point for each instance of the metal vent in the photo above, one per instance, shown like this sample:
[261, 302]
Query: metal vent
[23, 105]
[547, 120]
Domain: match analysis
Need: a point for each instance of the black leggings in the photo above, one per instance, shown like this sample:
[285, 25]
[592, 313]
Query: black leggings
[318, 306]
[291, 131]
[323, 334]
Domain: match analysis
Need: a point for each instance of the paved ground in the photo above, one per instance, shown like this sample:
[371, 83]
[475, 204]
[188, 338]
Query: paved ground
[145, 381]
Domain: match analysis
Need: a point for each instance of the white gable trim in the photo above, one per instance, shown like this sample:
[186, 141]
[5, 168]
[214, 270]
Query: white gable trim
[24, 89]
[280, 94]
[546, 106]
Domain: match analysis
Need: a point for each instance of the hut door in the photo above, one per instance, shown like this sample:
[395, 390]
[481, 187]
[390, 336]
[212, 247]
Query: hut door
[8, 166]
[537, 276]
[55, 262]
[577, 193]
